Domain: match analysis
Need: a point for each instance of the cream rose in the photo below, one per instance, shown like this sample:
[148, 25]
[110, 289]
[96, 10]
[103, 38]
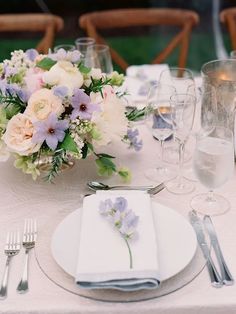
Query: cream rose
[18, 135]
[111, 121]
[42, 103]
[64, 73]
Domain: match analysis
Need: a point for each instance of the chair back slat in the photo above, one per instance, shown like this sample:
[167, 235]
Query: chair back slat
[47, 23]
[183, 20]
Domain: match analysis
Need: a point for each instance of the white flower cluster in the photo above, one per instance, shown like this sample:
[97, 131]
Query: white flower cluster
[19, 63]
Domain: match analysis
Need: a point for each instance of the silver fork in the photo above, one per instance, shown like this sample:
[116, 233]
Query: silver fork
[28, 242]
[12, 248]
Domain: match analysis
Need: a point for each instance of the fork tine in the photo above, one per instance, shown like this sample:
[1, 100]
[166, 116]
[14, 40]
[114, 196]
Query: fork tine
[31, 230]
[25, 231]
[18, 240]
[35, 231]
[7, 245]
[11, 241]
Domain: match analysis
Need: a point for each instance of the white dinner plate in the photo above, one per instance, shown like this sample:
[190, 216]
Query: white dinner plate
[176, 241]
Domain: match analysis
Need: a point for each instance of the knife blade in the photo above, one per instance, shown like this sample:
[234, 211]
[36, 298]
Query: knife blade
[195, 221]
[225, 273]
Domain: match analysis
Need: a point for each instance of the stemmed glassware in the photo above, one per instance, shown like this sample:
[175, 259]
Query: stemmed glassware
[214, 165]
[183, 81]
[66, 47]
[98, 56]
[182, 117]
[181, 78]
[84, 45]
[157, 119]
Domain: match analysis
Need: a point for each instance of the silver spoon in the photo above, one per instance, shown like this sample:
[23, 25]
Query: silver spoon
[94, 185]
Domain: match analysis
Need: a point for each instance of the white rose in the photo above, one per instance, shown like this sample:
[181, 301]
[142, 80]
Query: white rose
[64, 73]
[111, 121]
[18, 135]
[42, 103]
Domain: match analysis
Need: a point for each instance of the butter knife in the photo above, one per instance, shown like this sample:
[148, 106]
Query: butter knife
[215, 278]
[225, 273]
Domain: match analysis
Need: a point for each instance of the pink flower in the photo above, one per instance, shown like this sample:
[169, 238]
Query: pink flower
[33, 79]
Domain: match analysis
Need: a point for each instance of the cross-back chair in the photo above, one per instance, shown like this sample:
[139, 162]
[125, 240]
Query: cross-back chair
[47, 24]
[184, 20]
[228, 18]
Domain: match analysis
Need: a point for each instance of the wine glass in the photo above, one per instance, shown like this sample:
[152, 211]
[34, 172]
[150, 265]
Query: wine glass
[183, 81]
[181, 78]
[66, 47]
[98, 56]
[156, 119]
[214, 165]
[84, 45]
[182, 117]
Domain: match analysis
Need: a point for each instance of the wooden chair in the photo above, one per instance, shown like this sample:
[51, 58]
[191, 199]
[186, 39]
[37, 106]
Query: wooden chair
[228, 18]
[181, 19]
[47, 23]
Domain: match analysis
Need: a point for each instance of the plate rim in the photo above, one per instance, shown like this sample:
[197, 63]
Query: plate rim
[153, 202]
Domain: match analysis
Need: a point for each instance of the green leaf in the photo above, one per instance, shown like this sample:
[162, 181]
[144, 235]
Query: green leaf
[104, 155]
[90, 146]
[84, 151]
[69, 144]
[83, 69]
[104, 168]
[46, 63]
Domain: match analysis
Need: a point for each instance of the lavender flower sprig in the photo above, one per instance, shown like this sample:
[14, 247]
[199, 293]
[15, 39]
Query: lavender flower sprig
[123, 219]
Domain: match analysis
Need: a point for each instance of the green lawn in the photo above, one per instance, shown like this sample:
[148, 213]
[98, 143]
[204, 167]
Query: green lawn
[136, 50]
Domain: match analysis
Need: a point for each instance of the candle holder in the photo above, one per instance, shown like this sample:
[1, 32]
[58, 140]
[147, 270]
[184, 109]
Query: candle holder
[221, 74]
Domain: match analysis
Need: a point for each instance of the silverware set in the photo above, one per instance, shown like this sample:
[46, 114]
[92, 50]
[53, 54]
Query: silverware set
[223, 276]
[152, 190]
[12, 248]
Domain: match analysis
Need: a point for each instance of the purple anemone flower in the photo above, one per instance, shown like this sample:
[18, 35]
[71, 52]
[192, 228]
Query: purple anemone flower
[82, 105]
[60, 91]
[31, 54]
[51, 130]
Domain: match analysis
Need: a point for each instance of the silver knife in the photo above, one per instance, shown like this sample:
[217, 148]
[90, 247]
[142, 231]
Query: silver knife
[215, 278]
[225, 273]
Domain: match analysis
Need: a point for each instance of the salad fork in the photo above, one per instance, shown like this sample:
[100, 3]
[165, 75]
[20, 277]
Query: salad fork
[29, 240]
[12, 248]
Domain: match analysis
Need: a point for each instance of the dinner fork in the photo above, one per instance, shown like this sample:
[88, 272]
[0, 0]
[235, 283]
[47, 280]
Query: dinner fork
[12, 248]
[28, 242]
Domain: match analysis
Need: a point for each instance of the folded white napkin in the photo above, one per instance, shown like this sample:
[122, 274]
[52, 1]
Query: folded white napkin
[103, 256]
[138, 80]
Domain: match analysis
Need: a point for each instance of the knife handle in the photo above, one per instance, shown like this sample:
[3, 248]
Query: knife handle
[228, 279]
[216, 280]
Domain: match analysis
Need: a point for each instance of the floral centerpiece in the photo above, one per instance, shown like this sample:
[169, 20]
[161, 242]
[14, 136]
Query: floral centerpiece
[53, 106]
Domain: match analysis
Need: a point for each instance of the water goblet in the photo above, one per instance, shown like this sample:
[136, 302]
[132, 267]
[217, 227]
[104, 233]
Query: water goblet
[98, 56]
[156, 119]
[183, 81]
[214, 165]
[84, 45]
[182, 117]
[66, 47]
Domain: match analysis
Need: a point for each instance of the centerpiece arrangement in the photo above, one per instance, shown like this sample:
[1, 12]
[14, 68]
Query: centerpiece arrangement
[54, 107]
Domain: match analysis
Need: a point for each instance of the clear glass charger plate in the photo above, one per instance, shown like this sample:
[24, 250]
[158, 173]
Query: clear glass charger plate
[59, 277]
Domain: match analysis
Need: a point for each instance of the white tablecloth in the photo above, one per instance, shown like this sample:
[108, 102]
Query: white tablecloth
[21, 198]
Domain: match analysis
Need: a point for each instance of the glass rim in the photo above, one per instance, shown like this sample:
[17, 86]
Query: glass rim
[85, 40]
[64, 45]
[187, 70]
[204, 68]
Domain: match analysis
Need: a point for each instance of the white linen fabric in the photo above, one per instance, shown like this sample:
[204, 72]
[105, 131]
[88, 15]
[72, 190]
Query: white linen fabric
[23, 198]
[103, 257]
[138, 80]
